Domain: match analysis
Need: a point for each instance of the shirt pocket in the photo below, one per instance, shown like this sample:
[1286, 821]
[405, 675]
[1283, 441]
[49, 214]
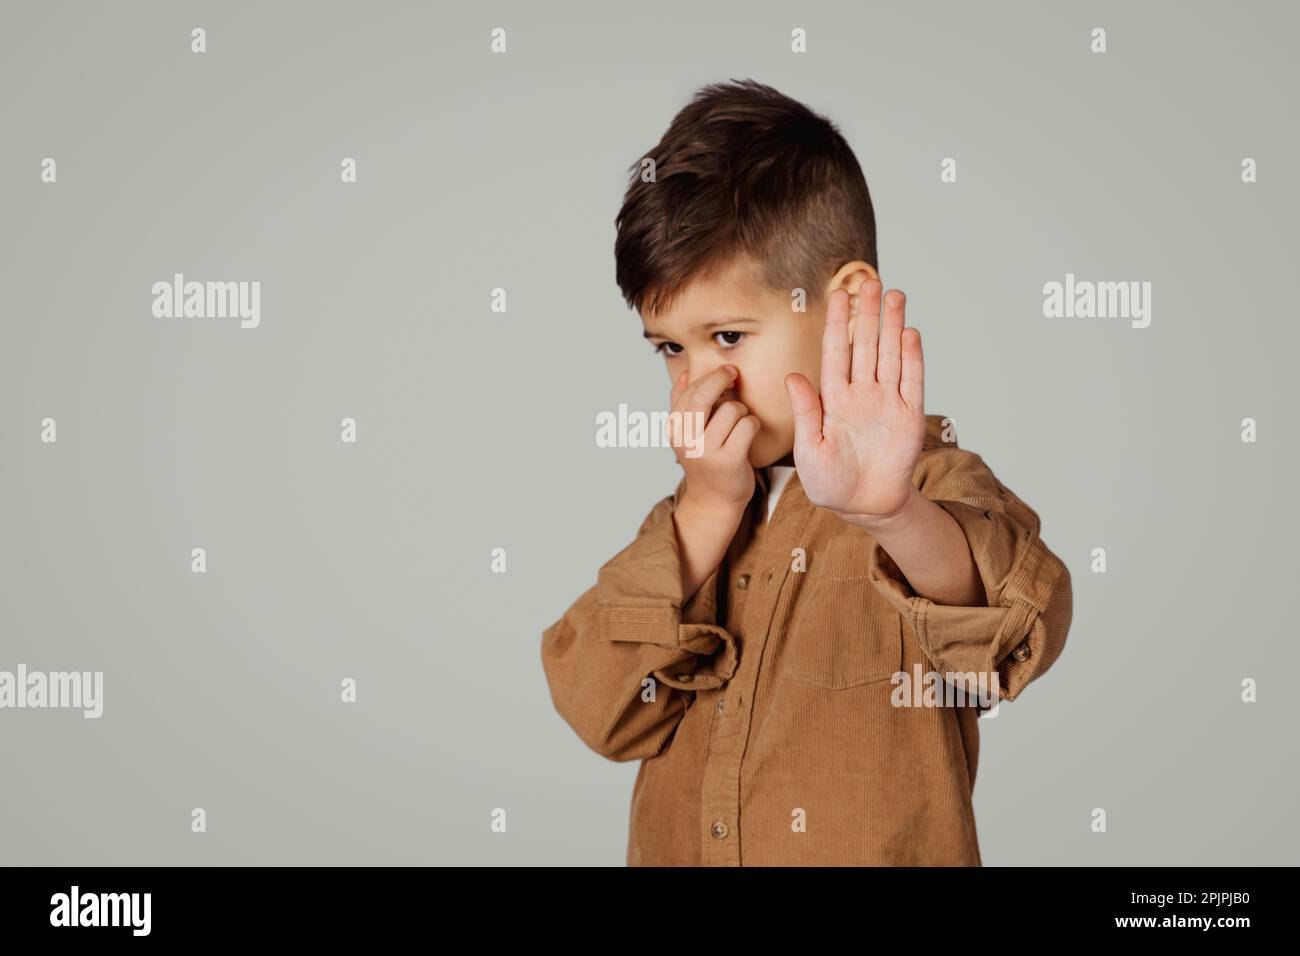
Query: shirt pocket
[841, 632]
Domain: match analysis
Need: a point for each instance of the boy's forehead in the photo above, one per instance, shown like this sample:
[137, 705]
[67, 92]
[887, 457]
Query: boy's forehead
[725, 295]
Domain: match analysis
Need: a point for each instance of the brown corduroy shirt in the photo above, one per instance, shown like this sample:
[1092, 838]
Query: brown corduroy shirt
[766, 709]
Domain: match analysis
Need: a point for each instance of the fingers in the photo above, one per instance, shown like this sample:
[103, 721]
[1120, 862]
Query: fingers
[674, 438]
[696, 401]
[912, 387]
[835, 342]
[722, 422]
[807, 409]
[702, 394]
[889, 364]
[866, 331]
[742, 435]
[677, 388]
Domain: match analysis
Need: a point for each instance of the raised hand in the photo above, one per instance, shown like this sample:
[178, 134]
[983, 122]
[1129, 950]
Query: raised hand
[857, 444]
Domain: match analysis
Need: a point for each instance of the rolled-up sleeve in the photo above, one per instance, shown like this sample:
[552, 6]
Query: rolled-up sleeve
[623, 658]
[1021, 629]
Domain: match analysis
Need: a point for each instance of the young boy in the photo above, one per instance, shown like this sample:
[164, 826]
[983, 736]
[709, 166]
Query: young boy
[780, 643]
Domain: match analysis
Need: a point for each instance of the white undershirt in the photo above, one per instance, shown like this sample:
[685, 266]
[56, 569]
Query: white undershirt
[779, 478]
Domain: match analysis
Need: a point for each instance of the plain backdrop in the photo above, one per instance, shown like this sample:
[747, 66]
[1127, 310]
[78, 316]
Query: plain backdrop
[476, 429]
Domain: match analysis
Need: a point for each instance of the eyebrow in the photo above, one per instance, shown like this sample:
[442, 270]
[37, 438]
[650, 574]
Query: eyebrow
[707, 325]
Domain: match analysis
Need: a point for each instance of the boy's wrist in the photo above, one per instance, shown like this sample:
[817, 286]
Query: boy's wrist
[880, 525]
[705, 529]
[698, 509]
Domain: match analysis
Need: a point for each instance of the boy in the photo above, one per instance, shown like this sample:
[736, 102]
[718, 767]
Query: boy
[757, 646]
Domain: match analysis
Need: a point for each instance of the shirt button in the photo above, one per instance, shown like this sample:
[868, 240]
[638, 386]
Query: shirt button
[720, 704]
[719, 830]
[742, 582]
[1021, 653]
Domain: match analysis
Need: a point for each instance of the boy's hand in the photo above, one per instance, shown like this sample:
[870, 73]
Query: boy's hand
[721, 475]
[857, 445]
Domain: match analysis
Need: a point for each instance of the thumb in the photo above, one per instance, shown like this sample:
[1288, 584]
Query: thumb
[807, 407]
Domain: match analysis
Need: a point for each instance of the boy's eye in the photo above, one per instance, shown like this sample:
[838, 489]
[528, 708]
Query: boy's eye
[674, 349]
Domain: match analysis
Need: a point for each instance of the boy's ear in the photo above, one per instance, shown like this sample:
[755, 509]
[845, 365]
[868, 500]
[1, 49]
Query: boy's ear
[849, 277]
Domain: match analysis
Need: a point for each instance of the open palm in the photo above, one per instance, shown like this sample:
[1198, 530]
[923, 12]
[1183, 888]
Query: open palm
[857, 443]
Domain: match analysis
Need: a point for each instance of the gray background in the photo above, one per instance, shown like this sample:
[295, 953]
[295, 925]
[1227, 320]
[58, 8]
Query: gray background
[477, 429]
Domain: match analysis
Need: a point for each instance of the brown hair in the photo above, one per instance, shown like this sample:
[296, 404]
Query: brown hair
[743, 171]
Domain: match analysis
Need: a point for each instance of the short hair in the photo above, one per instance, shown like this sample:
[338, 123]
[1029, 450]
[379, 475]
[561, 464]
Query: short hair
[742, 171]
